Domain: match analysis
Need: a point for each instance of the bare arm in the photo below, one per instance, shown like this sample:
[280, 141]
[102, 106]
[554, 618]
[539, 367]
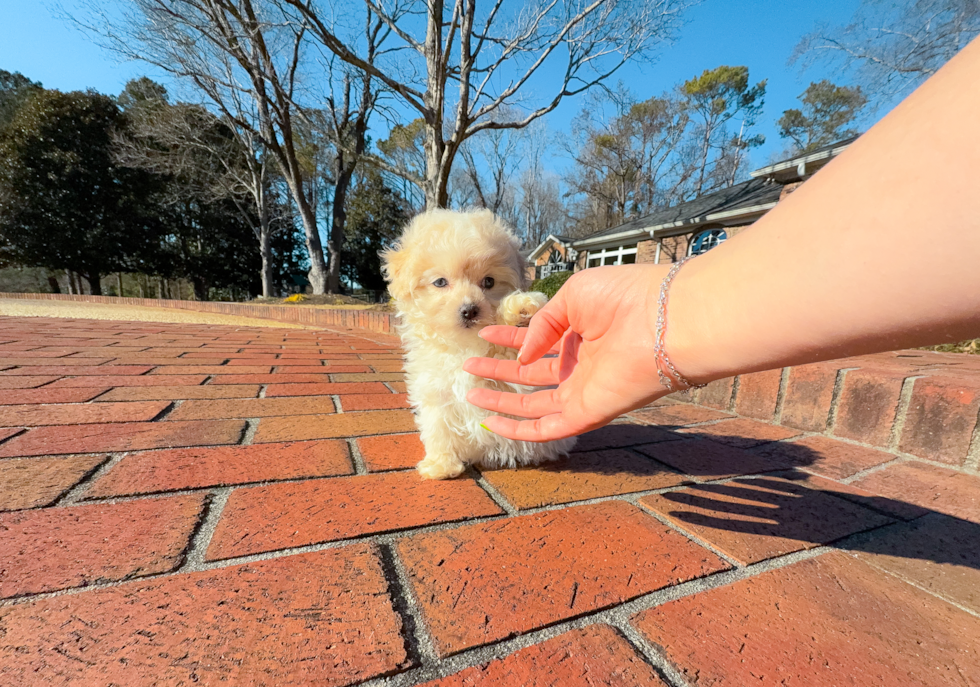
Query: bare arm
[879, 251]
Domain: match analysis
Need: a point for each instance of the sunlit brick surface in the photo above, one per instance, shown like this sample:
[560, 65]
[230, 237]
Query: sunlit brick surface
[225, 505]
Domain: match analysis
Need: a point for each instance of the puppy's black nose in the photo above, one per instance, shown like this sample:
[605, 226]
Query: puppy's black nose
[469, 312]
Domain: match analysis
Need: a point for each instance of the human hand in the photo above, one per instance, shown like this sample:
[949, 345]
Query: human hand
[604, 319]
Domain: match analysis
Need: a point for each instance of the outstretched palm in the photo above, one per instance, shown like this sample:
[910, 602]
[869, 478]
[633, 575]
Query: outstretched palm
[604, 323]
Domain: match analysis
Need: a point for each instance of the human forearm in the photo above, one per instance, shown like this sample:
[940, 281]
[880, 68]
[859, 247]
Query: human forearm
[880, 250]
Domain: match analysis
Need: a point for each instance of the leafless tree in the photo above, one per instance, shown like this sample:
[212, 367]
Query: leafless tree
[893, 46]
[457, 67]
[629, 164]
[245, 58]
[188, 141]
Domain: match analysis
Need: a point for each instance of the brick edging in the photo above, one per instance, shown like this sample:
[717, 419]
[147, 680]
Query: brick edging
[370, 320]
[918, 403]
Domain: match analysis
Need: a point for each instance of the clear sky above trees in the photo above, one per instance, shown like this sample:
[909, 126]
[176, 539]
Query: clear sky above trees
[760, 34]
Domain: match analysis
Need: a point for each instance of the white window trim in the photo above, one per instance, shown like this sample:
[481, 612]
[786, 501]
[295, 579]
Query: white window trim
[618, 253]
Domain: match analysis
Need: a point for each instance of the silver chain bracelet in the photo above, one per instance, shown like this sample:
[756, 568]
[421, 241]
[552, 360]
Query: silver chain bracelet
[659, 352]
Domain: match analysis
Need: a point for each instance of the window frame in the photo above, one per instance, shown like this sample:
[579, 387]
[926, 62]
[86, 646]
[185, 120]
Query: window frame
[719, 236]
[615, 253]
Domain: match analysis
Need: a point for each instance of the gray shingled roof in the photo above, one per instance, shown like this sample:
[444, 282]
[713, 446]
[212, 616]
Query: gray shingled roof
[817, 151]
[745, 195]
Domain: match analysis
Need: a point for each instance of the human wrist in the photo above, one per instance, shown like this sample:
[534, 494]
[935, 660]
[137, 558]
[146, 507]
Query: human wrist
[691, 319]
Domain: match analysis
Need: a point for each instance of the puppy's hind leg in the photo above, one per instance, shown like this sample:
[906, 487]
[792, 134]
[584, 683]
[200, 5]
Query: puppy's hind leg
[442, 459]
[517, 308]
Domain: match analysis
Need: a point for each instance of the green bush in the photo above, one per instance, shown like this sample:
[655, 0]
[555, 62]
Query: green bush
[550, 284]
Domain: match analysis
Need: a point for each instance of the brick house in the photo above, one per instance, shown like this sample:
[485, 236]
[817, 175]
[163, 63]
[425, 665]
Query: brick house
[689, 228]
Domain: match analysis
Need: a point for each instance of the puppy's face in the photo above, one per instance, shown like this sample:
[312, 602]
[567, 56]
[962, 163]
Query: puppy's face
[450, 270]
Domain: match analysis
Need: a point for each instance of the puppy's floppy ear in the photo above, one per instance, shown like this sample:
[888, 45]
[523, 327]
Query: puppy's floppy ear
[395, 263]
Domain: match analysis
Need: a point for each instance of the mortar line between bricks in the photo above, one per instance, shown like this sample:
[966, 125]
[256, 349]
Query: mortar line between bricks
[337, 405]
[388, 386]
[972, 461]
[690, 536]
[645, 648]
[861, 474]
[262, 388]
[780, 396]
[736, 383]
[171, 407]
[73, 496]
[835, 399]
[248, 435]
[492, 492]
[15, 434]
[616, 616]
[901, 412]
[357, 459]
[201, 538]
[417, 637]
[913, 583]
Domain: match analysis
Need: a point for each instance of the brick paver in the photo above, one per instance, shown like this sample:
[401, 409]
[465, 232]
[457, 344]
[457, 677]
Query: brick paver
[33, 482]
[391, 452]
[597, 656]
[323, 618]
[482, 583]
[49, 549]
[830, 621]
[218, 505]
[195, 468]
[582, 476]
[281, 516]
[755, 519]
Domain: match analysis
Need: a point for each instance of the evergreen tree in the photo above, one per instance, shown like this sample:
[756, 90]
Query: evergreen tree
[827, 112]
[64, 202]
[375, 216]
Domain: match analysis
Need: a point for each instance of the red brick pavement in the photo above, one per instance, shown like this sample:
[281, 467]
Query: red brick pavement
[190, 503]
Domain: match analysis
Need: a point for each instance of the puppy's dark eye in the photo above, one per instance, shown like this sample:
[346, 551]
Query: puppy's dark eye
[440, 283]
[487, 283]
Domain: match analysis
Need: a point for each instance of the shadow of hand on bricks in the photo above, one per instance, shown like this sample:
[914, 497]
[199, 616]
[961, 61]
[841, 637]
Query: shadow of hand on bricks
[752, 519]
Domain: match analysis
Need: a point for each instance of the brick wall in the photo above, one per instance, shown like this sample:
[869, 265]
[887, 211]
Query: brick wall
[919, 403]
[646, 251]
[370, 320]
[673, 248]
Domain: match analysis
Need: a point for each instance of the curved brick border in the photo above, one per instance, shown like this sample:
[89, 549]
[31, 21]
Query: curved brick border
[369, 320]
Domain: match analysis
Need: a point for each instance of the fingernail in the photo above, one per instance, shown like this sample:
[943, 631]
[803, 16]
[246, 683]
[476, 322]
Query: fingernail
[486, 428]
[520, 355]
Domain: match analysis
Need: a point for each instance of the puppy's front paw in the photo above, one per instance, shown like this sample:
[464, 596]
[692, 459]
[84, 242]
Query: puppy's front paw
[440, 467]
[516, 309]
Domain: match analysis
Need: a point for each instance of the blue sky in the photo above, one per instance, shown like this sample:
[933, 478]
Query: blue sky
[760, 34]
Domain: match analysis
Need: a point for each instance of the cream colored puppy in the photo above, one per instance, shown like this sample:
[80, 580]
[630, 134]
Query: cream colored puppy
[450, 275]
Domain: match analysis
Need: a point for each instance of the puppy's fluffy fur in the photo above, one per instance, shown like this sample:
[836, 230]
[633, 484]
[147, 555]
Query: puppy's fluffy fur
[450, 275]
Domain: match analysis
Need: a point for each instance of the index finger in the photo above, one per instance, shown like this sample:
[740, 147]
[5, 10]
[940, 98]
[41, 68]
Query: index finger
[507, 336]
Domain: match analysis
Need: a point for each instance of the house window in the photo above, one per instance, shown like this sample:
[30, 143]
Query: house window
[706, 240]
[621, 255]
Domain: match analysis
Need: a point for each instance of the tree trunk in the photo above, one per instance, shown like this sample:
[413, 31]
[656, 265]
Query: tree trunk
[71, 286]
[120, 283]
[200, 288]
[53, 283]
[265, 249]
[94, 283]
[160, 289]
[335, 244]
[314, 247]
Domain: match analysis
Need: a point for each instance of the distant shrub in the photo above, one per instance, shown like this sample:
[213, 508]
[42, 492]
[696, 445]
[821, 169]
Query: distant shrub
[550, 284]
